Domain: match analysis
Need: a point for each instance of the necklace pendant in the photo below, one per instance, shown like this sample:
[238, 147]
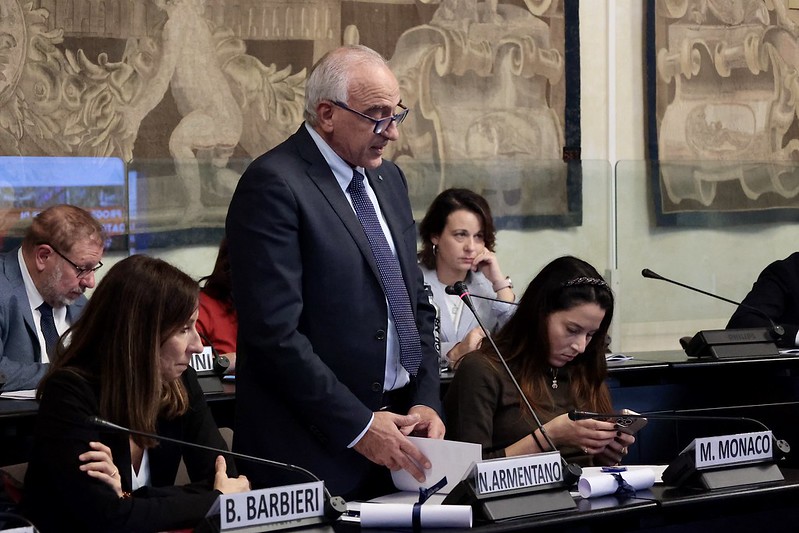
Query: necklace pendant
[554, 383]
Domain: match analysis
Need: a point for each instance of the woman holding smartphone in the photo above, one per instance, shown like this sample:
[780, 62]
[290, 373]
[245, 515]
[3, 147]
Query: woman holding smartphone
[555, 346]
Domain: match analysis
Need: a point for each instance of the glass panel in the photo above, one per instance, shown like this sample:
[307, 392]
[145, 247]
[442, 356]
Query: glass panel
[31, 184]
[710, 241]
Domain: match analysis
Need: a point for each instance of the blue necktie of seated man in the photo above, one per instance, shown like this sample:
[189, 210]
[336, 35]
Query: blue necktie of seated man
[390, 275]
[49, 332]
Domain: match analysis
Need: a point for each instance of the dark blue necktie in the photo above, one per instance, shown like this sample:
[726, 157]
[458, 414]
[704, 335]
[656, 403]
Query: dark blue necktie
[390, 275]
[48, 329]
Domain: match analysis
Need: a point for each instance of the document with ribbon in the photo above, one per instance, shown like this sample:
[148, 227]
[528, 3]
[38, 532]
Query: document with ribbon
[619, 481]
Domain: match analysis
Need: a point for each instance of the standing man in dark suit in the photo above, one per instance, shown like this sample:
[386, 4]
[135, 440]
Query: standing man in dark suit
[41, 289]
[335, 332]
[776, 294]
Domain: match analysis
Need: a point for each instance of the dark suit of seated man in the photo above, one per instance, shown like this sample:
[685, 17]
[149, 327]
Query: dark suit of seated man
[53, 267]
[776, 294]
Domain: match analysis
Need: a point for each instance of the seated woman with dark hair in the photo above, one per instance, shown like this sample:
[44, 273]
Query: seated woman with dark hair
[128, 364]
[217, 322]
[458, 245]
[555, 346]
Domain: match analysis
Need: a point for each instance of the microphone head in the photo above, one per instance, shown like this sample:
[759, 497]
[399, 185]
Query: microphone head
[96, 421]
[573, 415]
[651, 275]
[458, 288]
[777, 332]
[335, 507]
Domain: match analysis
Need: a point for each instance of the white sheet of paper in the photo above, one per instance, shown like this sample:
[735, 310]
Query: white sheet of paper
[401, 515]
[448, 457]
[19, 394]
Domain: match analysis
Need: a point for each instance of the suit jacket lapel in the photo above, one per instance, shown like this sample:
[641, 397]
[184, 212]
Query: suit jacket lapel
[319, 172]
[17, 284]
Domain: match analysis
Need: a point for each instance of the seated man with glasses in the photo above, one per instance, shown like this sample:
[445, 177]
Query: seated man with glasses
[41, 290]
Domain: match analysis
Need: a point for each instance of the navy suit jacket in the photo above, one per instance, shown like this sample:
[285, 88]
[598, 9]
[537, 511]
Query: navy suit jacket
[20, 353]
[312, 314]
[775, 293]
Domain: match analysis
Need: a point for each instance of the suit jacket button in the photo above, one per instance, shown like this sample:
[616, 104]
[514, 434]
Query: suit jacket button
[377, 387]
[380, 335]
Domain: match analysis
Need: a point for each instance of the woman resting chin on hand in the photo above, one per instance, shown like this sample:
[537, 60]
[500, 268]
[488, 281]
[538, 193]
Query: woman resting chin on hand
[458, 239]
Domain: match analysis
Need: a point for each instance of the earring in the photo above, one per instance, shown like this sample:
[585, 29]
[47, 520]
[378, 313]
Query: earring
[435, 249]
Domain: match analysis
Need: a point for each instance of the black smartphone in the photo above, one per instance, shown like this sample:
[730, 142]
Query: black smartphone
[629, 425]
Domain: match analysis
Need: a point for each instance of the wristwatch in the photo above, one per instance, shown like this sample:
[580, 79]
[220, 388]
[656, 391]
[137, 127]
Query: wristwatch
[502, 284]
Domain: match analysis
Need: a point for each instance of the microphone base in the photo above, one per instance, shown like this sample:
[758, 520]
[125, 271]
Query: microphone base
[732, 344]
[210, 384]
[682, 473]
[507, 508]
[736, 477]
[504, 506]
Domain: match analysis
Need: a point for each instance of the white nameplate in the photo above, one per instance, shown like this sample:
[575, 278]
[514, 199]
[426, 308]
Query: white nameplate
[728, 450]
[203, 361]
[497, 475]
[267, 506]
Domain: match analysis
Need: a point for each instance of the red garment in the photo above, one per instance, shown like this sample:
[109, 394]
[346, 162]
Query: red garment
[217, 325]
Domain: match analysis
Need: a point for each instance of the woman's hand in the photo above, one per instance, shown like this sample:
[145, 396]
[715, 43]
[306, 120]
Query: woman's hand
[615, 451]
[469, 344]
[591, 436]
[228, 485]
[99, 464]
[487, 263]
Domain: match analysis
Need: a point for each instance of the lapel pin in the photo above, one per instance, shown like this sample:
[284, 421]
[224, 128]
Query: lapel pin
[379, 177]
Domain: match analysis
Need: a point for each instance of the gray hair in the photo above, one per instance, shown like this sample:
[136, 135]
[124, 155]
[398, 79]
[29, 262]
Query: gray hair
[330, 77]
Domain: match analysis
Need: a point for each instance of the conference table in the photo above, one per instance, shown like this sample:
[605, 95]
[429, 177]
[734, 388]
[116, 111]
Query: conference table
[763, 507]
[664, 382]
[668, 382]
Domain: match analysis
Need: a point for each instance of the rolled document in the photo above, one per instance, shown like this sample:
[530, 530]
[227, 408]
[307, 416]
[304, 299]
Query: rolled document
[603, 484]
[401, 515]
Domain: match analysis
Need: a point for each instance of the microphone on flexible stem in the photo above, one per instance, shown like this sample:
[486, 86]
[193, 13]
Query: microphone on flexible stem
[221, 362]
[571, 471]
[335, 506]
[447, 289]
[779, 444]
[776, 331]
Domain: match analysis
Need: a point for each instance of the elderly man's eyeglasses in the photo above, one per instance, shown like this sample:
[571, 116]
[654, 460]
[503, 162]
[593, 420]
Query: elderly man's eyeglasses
[82, 272]
[381, 124]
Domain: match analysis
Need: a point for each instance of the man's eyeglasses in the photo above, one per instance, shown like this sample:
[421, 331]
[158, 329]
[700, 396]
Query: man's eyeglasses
[381, 124]
[82, 272]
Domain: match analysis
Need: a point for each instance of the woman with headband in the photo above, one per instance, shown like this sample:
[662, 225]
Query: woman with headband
[555, 346]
